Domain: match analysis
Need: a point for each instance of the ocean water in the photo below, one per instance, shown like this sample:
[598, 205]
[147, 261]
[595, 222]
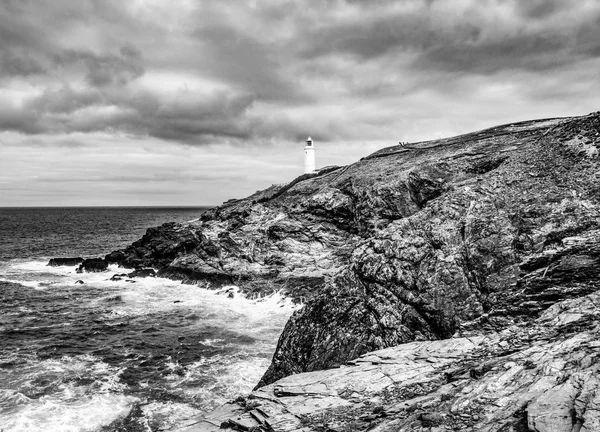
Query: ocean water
[131, 355]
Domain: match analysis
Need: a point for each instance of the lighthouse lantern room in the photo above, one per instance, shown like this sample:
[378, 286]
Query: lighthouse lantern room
[309, 156]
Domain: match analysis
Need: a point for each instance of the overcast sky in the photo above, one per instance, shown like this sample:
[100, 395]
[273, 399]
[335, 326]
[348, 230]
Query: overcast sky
[162, 102]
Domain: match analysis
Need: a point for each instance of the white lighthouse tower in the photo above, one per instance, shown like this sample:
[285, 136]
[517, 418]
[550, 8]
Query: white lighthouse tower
[309, 156]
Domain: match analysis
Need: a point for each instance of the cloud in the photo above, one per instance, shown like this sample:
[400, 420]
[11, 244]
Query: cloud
[236, 81]
[105, 70]
[13, 64]
[310, 62]
[184, 116]
[465, 36]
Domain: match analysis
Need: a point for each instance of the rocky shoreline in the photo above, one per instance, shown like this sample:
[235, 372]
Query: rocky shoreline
[540, 376]
[453, 240]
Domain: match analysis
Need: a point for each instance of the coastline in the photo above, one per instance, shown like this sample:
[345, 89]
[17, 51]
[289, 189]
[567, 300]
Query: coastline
[454, 240]
[134, 350]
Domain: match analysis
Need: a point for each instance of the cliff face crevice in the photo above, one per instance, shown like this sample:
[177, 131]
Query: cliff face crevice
[538, 376]
[464, 262]
[455, 237]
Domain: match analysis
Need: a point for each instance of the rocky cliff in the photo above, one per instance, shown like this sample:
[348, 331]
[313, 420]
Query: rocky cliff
[542, 376]
[489, 230]
[459, 237]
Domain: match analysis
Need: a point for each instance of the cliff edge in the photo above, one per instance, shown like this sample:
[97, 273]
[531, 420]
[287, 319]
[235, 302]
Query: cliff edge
[462, 237]
[539, 377]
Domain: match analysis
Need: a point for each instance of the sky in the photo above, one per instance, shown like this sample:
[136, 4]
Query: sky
[194, 102]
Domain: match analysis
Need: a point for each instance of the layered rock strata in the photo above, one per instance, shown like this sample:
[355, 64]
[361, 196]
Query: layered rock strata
[503, 224]
[462, 237]
[539, 377]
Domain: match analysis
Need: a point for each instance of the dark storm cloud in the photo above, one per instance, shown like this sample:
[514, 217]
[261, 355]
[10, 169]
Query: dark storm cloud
[476, 37]
[33, 33]
[14, 64]
[370, 37]
[243, 59]
[64, 100]
[539, 9]
[108, 69]
[185, 117]
[88, 89]
[525, 52]
[15, 119]
[223, 115]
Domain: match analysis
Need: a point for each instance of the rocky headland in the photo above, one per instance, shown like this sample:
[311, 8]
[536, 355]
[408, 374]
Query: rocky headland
[447, 285]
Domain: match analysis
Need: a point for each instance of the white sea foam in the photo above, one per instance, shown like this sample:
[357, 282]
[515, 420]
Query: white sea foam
[208, 382]
[152, 295]
[156, 290]
[69, 407]
[52, 414]
[171, 415]
[35, 273]
[212, 342]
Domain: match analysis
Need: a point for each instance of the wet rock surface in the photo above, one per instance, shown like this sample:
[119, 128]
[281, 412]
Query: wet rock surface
[541, 376]
[464, 238]
[92, 265]
[71, 262]
[144, 272]
[504, 224]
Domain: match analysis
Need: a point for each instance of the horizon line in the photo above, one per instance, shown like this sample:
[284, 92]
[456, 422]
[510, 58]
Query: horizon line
[113, 206]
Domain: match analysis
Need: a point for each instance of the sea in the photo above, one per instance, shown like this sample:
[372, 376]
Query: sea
[79, 352]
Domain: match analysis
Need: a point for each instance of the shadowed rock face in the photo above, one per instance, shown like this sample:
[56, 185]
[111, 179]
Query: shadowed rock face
[505, 227]
[92, 265]
[540, 376]
[57, 262]
[460, 236]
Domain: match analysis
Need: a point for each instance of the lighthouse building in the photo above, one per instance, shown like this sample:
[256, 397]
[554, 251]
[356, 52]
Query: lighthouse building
[309, 156]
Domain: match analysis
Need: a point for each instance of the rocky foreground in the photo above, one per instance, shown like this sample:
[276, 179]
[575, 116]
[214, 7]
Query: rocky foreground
[459, 253]
[543, 376]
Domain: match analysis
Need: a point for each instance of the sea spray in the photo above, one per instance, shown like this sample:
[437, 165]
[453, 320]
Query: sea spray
[79, 356]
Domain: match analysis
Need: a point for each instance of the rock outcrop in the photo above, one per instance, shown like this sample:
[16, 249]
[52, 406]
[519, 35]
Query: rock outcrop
[543, 376]
[463, 237]
[71, 262]
[92, 265]
[143, 273]
[504, 224]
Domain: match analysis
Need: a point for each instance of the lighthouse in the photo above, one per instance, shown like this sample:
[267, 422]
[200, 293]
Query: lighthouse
[309, 156]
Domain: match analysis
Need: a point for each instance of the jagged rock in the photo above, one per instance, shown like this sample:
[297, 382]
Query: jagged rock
[92, 265]
[400, 388]
[484, 251]
[144, 272]
[464, 236]
[56, 262]
[118, 277]
[159, 246]
[271, 251]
